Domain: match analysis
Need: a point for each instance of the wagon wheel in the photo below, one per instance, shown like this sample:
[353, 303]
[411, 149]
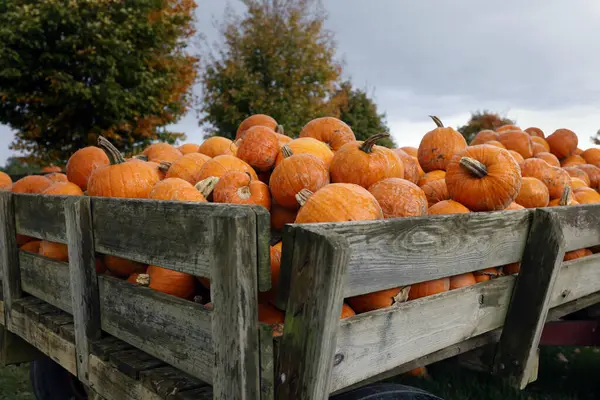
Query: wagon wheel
[50, 381]
[386, 391]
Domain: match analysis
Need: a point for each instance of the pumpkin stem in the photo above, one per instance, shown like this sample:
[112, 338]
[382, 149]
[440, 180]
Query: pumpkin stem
[474, 167]
[206, 186]
[244, 192]
[566, 195]
[368, 144]
[437, 121]
[111, 151]
[164, 166]
[141, 157]
[302, 196]
[279, 129]
[142, 280]
[287, 151]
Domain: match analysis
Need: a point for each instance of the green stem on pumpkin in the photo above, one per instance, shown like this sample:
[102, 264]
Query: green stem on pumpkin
[437, 121]
[111, 151]
[367, 145]
[303, 196]
[474, 167]
[286, 151]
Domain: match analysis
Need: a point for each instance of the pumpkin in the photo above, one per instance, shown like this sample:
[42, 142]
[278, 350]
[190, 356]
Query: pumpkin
[122, 267]
[55, 251]
[281, 216]
[255, 120]
[281, 138]
[64, 189]
[495, 143]
[511, 269]
[514, 206]
[566, 199]
[411, 151]
[439, 146]
[31, 184]
[537, 148]
[535, 132]
[259, 148]
[435, 191]
[419, 372]
[294, 173]
[462, 280]
[563, 143]
[575, 254]
[518, 158]
[329, 130]
[431, 176]
[187, 167]
[507, 128]
[483, 178]
[586, 195]
[307, 146]
[347, 311]
[171, 282]
[572, 160]
[535, 167]
[578, 152]
[518, 141]
[139, 279]
[32, 247]
[267, 314]
[220, 165]
[429, 288]
[218, 146]
[364, 163]
[592, 156]
[57, 177]
[22, 239]
[5, 181]
[337, 202]
[549, 158]
[484, 136]
[487, 274]
[577, 183]
[412, 171]
[100, 267]
[575, 172]
[158, 152]
[275, 253]
[541, 141]
[556, 182]
[399, 198]
[50, 169]
[374, 301]
[188, 148]
[533, 193]
[133, 179]
[239, 188]
[176, 189]
[592, 171]
[447, 207]
[157, 167]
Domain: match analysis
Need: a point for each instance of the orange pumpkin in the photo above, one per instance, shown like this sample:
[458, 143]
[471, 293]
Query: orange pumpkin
[307, 146]
[484, 136]
[64, 189]
[507, 128]
[281, 216]
[495, 143]
[575, 254]
[447, 207]
[435, 191]
[566, 199]
[592, 171]
[586, 195]
[429, 288]
[541, 141]
[412, 171]
[57, 177]
[533, 193]
[239, 188]
[535, 167]
[55, 251]
[431, 176]
[259, 147]
[158, 152]
[556, 182]
[275, 252]
[518, 141]
[5, 181]
[439, 146]
[157, 167]
[518, 158]
[171, 282]
[563, 143]
[364, 163]
[255, 120]
[329, 130]
[411, 151]
[462, 280]
[267, 314]
[537, 149]
[399, 198]
[139, 279]
[511, 269]
[575, 172]
[572, 160]
[514, 206]
[50, 169]
[535, 132]
[218, 146]
[337, 202]
[122, 267]
[282, 139]
[549, 158]
[592, 156]
[487, 274]
[100, 267]
[188, 148]
[32, 247]
[133, 179]
[220, 165]
[31, 184]
[373, 301]
[347, 311]
[294, 173]
[483, 178]
[187, 167]
[176, 189]
[22, 239]
[577, 183]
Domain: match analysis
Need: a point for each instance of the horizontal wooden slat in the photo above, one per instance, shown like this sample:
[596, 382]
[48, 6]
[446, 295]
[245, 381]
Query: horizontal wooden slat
[581, 225]
[399, 252]
[176, 331]
[46, 279]
[41, 216]
[578, 278]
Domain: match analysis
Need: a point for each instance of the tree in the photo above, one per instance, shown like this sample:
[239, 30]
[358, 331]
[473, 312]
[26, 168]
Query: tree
[19, 166]
[70, 70]
[277, 59]
[360, 112]
[596, 139]
[481, 120]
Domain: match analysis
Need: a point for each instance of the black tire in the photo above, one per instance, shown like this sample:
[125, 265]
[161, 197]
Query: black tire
[50, 381]
[386, 391]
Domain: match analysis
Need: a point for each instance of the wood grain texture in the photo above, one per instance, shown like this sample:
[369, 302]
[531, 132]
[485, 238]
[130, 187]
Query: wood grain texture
[285, 273]
[104, 347]
[167, 381]
[82, 273]
[235, 317]
[267, 360]
[2, 313]
[46, 279]
[526, 316]
[400, 252]
[577, 279]
[41, 216]
[171, 329]
[9, 256]
[263, 237]
[307, 348]
[132, 362]
[580, 225]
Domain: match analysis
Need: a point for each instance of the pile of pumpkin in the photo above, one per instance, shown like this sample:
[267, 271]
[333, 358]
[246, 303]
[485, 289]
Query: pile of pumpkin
[325, 175]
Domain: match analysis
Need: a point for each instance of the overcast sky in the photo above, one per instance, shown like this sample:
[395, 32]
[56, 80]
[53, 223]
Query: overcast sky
[536, 61]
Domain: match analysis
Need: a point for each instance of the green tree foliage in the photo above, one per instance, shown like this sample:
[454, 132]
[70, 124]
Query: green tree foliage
[481, 120]
[277, 59]
[596, 138]
[70, 70]
[20, 166]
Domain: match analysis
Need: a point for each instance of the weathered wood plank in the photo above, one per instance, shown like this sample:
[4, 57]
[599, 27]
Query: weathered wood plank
[82, 274]
[55, 321]
[285, 273]
[41, 216]
[572, 306]
[9, 256]
[263, 236]
[578, 278]
[267, 361]
[400, 252]
[36, 311]
[171, 329]
[67, 331]
[2, 313]
[133, 361]
[527, 312]
[167, 381]
[46, 279]
[580, 224]
[104, 347]
[26, 301]
[307, 348]
[235, 317]
[202, 393]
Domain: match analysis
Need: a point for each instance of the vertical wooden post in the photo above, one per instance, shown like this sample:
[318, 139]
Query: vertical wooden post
[235, 314]
[516, 353]
[312, 315]
[84, 282]
[9, 256]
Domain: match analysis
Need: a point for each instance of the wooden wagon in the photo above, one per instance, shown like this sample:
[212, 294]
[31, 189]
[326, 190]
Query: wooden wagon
[129, 342]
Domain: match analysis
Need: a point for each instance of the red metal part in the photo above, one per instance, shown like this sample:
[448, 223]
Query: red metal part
[571, 333]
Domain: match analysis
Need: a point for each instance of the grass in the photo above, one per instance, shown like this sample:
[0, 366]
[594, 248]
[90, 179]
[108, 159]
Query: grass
[14, 383]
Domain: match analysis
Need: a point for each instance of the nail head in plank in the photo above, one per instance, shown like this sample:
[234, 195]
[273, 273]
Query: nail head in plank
[9, 255]
[46, 279]
[132, 362]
